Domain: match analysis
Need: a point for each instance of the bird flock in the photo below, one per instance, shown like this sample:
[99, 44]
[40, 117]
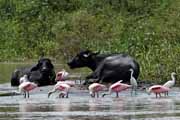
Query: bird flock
[63, 86]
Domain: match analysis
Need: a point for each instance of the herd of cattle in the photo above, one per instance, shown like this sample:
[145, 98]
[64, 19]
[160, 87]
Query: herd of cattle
[106, 69]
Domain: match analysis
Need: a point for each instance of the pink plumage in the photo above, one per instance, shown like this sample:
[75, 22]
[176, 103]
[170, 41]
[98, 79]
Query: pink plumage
[62, 75]
[158, 89]
[69, 82]
[117, 87]
[26, 87]
[94, 88]
[63, 87]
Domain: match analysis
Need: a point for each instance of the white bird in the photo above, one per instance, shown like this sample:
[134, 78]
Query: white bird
[171, 83]
[26, 86]
[63, 88]
[23, 79]
[133, 82]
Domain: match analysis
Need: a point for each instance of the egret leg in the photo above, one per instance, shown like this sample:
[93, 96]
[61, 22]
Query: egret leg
[135, 91]
[132, 92]
[156, 95]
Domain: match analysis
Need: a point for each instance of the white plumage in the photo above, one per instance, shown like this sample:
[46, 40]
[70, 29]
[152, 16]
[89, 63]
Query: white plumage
[133, 81]
[23, 79]
[171, 83]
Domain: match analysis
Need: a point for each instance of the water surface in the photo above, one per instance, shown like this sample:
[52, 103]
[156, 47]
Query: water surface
[80, 106]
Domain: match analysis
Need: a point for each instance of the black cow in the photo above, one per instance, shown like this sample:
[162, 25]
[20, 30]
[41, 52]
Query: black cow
[42, 73]
[107, 68]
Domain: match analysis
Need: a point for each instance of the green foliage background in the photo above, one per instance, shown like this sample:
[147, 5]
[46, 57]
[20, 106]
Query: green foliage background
[148, 30]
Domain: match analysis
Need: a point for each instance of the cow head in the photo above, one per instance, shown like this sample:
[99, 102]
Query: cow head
[44, 65]
[83, 59]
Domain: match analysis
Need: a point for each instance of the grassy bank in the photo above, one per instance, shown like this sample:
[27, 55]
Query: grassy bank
[146, 29]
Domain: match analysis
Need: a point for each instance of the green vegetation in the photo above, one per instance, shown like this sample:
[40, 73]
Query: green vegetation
[149, 30]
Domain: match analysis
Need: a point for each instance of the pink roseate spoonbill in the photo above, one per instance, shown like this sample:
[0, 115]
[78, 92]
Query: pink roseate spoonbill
[117, 87]
[94, 89]
[158, 89]
[26, 86]
[171, 83]
[62, 75]
[69, 82]
[133, 82]
[63, 88]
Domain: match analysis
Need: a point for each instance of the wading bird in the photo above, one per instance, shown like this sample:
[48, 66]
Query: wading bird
[117, 87]
[62, 75]
[63, 88]
[26, 86]
[133, 82]
[158, 89]
[94, 89]
[171, 83]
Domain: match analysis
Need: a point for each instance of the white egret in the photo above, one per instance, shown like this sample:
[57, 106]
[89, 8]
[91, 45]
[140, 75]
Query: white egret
[171, 83]
[133, 82]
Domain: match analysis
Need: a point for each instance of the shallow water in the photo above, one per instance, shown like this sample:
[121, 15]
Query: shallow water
[79, 106]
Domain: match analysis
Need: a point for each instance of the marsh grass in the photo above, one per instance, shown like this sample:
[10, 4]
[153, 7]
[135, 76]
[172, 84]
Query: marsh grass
[148, 30]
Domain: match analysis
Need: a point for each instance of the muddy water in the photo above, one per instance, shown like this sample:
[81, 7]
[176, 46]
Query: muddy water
[79, 106]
